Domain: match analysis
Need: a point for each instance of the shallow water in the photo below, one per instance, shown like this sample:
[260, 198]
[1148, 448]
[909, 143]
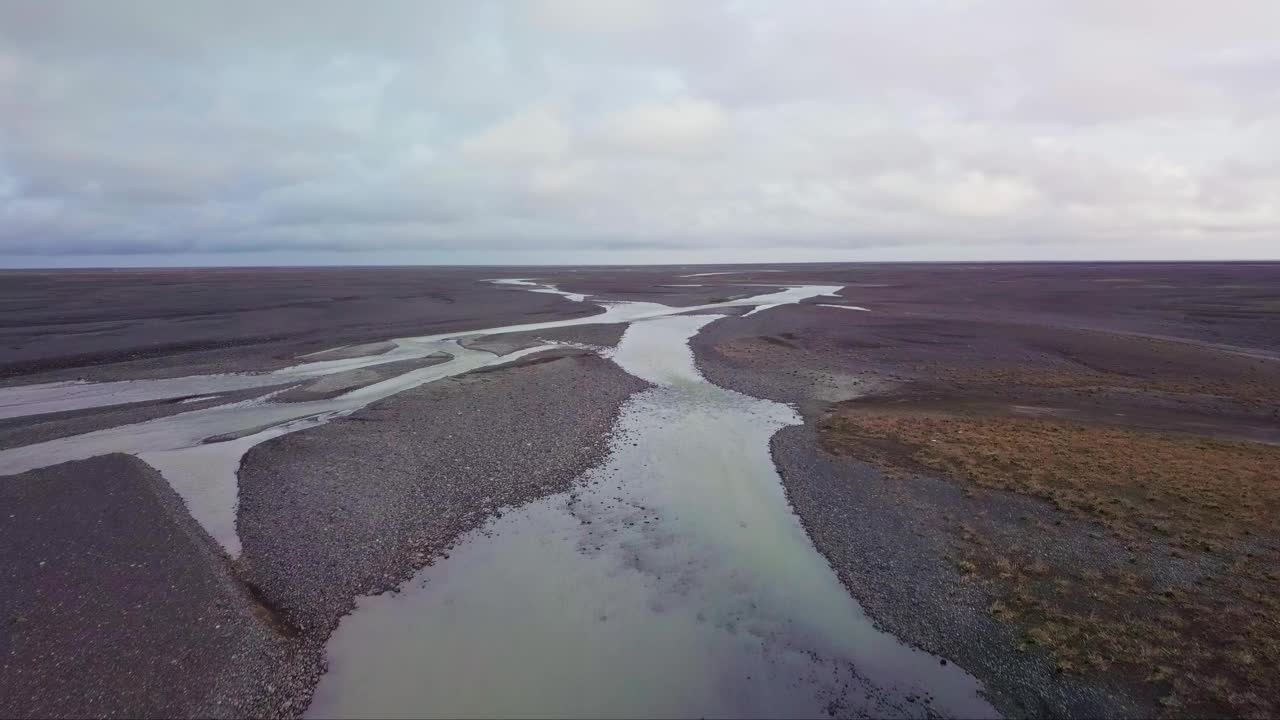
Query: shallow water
[675, 581]
[27, 400]
[199, 452]
[542, 288]
[206, 477]
[729, 272]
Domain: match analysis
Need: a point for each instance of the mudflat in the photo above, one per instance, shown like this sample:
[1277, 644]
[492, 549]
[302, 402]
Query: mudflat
[1058, 477]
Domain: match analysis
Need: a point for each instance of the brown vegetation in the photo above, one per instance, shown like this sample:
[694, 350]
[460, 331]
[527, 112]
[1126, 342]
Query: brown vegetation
[1260, 388]
[1209, 644]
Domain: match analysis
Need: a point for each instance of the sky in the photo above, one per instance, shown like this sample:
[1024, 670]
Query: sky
[621, 131]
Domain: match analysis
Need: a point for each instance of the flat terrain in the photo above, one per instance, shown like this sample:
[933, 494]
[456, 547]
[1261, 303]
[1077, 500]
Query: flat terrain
[1064, 477]
[1061, 478]
[134, 323]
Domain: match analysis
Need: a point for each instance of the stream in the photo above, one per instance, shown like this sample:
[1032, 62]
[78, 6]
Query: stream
[674, 580]
[199, 452]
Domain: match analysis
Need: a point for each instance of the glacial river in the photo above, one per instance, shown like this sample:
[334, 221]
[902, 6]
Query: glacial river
[673, 581]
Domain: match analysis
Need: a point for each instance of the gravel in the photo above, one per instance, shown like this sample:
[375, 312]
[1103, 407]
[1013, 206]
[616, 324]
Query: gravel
[331, 386]
[594, 335]
[114, 325]
[116, 603]
[357, 506]
[20, 431]
[891, 540]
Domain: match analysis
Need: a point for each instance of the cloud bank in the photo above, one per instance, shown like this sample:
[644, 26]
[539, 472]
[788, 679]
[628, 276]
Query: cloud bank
[626, 131]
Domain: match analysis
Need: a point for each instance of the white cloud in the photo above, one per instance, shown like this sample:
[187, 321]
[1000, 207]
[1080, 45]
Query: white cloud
[675, 125]
[596, 16]
[535, 133]
[588, 130]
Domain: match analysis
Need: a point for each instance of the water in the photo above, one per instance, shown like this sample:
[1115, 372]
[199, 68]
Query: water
[27, 400]
[203, 473]
[844, 307]
[729, 272]
[541, 288]
[674, 582]
[205, 477]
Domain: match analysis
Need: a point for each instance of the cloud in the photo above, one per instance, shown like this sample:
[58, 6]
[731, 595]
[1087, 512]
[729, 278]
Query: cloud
[529, 135]
[674, 125]
[562, 131]
[597, 16]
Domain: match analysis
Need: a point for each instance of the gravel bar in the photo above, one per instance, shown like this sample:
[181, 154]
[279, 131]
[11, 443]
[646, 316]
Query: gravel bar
[357, 506]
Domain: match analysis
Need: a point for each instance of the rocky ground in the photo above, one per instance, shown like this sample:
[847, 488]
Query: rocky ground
[355, 507]
[117, 603]
[326, 515]
[15, 432]
[1061, 505]
[130, 324]
[121, 605]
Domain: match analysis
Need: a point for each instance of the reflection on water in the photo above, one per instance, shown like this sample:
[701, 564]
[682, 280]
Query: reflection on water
[675, 581]
[206, 477]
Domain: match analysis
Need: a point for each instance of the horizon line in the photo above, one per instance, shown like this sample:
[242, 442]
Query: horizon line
[337, 266]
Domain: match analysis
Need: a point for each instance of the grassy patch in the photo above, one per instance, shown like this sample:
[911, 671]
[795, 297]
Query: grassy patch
[1261, 389]
[1212, 645]
[1197, 493]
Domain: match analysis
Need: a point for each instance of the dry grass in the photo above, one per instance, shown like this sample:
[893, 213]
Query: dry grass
[1209, 650]
[1248, 390]
[1211, 647]
[1197, 493]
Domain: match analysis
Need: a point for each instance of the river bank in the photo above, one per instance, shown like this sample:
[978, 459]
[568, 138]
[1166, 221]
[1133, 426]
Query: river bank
[1036, 583]
[361, 484]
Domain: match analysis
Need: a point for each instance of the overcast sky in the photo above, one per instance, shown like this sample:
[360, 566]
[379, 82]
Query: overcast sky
[624, 131]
